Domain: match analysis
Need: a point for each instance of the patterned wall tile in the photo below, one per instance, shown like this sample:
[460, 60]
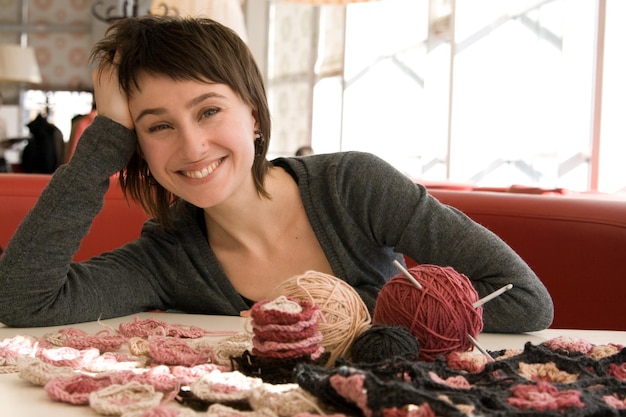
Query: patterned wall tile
[9, 12]
[62, 56]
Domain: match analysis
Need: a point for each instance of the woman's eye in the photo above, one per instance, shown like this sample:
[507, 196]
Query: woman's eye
[210, 112]
[157, 128]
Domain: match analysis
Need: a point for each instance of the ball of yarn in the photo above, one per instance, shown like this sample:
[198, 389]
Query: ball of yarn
[441, 314]
[382, 341]
[344, 314]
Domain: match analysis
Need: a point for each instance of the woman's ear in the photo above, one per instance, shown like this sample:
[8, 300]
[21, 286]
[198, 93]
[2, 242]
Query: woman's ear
[255, 116]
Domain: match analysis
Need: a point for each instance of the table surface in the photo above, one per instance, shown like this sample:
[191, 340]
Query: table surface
[19, 398]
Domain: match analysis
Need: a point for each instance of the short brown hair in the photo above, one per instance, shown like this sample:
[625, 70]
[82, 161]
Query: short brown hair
[181, 48]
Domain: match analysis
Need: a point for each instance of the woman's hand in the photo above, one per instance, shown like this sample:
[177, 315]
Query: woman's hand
[111, 101]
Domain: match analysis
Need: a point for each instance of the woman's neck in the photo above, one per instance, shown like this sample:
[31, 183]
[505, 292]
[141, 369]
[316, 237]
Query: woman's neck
[253, 220]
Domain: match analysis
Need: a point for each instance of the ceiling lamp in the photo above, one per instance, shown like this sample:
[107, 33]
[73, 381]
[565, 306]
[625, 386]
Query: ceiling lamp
[18, 64]
[326, 2]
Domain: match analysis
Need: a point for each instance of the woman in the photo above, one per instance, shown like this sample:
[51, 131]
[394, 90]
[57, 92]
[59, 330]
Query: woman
[182, 114]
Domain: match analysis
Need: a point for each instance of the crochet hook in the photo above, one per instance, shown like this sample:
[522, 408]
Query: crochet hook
[480, 348]
[493, 295]
[407, 274]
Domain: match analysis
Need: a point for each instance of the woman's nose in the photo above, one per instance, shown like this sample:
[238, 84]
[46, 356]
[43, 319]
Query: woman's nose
[193, 142]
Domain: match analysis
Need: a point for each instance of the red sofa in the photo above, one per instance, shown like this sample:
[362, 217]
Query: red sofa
[575, 244]
[117, 223]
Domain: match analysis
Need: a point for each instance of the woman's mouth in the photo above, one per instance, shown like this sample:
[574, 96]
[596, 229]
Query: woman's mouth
[204, 172]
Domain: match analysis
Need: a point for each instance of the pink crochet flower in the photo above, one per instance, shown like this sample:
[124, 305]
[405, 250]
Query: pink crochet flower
[276, 311]
[454, 381]
[410, 410]
[351, 388]
[615, 402]
[618, 371]
[466, 361]
[544, 396]
[570, 344]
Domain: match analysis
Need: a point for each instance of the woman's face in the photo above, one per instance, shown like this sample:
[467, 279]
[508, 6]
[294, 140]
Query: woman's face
[197, 138]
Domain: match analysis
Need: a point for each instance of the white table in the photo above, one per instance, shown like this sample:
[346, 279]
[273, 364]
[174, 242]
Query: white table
[19, 398]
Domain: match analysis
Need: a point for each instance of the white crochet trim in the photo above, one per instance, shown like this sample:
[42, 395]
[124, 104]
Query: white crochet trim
[119, 399]
[219, 386]
[285, 400]
[38, 372]
[219, 410]
[283, 304]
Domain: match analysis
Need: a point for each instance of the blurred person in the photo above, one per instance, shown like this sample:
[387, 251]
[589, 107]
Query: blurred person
[304, 151]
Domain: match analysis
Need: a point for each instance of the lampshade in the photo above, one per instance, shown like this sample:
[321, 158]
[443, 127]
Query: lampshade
[325, 2]
[227, 12]
[18, 64]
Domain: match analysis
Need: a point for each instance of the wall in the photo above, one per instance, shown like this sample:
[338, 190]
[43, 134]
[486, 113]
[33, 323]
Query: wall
[60, 31]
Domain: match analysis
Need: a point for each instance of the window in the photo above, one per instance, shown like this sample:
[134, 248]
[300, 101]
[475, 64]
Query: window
[60, 107]
[511, 101]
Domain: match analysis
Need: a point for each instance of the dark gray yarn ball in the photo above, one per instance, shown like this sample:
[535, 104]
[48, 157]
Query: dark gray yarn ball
[382, 341]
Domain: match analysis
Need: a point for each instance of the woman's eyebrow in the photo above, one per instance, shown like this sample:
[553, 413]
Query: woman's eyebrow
[197, 100]
[193, 102]
[154, 111]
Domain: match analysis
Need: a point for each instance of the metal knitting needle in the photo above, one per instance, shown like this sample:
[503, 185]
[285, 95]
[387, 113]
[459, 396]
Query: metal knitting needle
[480, 348]
[407, 274]
[493, 295]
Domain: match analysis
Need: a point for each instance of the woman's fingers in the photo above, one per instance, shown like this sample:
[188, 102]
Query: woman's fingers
[111, 101]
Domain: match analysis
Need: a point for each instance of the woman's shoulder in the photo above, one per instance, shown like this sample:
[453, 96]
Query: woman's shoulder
[326, 163]
[354, 173]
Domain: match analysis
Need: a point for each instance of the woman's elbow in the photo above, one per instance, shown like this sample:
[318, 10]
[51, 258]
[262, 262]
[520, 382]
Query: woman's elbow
[518, 317]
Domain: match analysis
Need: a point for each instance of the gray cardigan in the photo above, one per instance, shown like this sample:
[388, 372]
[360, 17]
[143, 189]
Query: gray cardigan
[363, 211]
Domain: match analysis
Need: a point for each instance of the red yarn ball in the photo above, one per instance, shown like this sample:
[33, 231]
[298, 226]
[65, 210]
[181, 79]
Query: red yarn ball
[440, 315]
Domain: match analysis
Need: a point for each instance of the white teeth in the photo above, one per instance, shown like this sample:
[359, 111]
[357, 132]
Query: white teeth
[203, 172]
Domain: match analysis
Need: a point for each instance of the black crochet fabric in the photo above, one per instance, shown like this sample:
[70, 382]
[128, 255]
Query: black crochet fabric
[272, 371]
[564, 384]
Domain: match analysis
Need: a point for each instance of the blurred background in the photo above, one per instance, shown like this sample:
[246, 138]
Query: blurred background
[491, 93]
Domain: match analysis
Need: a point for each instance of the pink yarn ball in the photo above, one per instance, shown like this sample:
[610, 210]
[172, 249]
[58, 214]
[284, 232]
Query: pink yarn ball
[441, 314]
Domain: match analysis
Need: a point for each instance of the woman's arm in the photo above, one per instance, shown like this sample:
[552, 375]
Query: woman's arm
[398, 213]
[487, 261]
[40, 285]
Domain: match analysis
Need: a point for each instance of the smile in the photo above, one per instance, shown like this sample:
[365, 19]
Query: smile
[204, 172]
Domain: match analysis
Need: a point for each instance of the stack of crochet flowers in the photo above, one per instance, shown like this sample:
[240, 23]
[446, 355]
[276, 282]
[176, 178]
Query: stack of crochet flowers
[285, 334]
[285, 328]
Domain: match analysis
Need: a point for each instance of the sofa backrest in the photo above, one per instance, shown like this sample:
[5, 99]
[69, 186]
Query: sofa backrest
[576, 245]
[118, 222]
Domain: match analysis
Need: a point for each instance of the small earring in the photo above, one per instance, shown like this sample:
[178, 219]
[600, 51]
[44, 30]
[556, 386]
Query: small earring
[259, 143]
[150, 179]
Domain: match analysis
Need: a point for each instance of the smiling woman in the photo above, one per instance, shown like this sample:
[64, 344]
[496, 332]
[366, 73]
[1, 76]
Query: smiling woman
[183, 118]
[196, 137]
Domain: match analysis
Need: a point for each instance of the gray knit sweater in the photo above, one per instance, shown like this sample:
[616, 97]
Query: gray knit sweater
[363, 211]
